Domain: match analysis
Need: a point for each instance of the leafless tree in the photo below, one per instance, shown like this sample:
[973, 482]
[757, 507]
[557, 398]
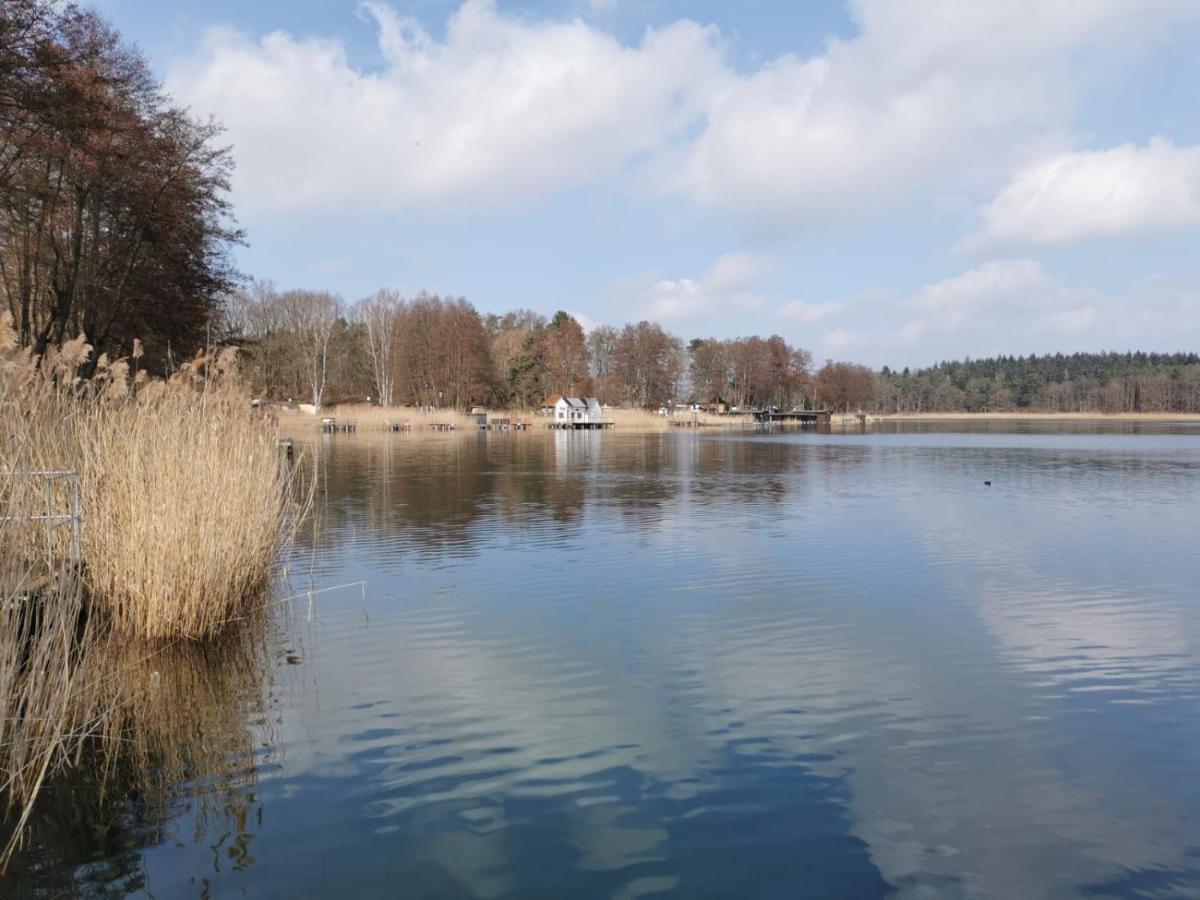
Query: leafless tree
[647, 364]
[310, 317]
[380, 317]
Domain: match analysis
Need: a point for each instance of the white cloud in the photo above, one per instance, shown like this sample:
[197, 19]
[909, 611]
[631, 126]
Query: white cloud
[926, 91]
[1014, 306]
[1111, 193]
[730, 287]
[810, 313]
[507, 109]
[503, 109]
[1005, 282]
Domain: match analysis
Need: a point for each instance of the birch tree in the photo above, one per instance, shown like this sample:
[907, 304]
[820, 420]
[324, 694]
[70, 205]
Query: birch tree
[311, 317]
[381, 316]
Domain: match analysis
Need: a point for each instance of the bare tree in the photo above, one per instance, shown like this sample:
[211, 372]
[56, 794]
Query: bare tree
[381, 316]
[311, 317]
[563, 357]
[600, 348]
[845, 385]
[114, 217]
[647, 364]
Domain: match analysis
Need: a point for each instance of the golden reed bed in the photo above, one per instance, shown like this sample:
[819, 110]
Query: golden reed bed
[133, 512]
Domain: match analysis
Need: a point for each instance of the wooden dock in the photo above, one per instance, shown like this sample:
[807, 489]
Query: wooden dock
[501, 424]
[579, 426]
[792, 417]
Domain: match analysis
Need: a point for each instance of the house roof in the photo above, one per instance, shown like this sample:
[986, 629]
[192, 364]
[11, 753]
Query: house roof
[580, 402]
[552, 400]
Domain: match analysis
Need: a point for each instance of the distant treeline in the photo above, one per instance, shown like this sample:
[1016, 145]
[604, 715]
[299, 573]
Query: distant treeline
[1079, 382]
[435, 351]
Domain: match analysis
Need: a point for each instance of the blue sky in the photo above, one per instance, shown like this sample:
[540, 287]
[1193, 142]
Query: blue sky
[887, 181]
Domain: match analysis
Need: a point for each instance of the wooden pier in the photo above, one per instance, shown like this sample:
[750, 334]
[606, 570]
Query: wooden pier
[792, 417]
[503, 424]
[579, 426]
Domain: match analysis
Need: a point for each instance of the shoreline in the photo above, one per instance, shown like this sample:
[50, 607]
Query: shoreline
[295, 424]
[1148, 418]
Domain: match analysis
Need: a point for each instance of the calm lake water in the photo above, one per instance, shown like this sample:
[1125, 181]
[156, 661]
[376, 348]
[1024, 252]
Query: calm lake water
[719, 665]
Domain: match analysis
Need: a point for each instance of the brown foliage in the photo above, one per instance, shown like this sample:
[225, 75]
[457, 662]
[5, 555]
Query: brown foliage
[113, 213]
[845, 386]
[646, 365]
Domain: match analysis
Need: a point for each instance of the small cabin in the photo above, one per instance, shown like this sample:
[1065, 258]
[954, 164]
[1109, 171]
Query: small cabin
[549, 406]
[581, 411]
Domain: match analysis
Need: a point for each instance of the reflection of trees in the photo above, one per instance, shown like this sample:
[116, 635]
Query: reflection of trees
[176, 731]
[443, 496]
[438, 496]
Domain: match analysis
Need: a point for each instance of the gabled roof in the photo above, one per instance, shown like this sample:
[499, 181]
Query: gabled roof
[575, 402]
[552, 400]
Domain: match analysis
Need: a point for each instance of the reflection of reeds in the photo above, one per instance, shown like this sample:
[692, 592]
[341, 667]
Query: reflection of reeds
[42, 645]
[149, 722]
[181, 713]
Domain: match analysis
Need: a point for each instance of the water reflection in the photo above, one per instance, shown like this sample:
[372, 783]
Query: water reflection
[180, 732]
[732, 665]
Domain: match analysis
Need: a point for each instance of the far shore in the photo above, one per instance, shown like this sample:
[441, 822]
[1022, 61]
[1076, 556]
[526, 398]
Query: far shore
[1038, 417]
[373, 418]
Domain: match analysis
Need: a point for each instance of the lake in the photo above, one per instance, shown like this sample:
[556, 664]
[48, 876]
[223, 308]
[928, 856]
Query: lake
[722, 665]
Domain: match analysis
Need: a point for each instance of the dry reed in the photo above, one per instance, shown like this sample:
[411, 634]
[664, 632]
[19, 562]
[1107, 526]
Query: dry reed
[377, 418]
[184, 499]
[185, 494]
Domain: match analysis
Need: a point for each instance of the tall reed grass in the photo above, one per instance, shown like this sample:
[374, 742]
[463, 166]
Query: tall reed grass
[185, 494]
[186, 500]
[183, 500]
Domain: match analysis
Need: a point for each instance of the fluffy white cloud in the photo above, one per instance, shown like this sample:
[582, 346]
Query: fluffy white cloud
[925, 91]
[810, 313]
[954, 301]
[1014, 306]
[502, 109]
[506, 109]
[732, 286]
[1111, 193]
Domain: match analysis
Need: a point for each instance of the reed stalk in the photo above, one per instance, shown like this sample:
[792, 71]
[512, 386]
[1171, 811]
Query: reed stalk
[166, 530]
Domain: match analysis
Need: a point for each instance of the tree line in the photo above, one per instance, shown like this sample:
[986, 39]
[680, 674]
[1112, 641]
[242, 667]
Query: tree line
[114, 217]
[429, 350]
[1077, 382]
